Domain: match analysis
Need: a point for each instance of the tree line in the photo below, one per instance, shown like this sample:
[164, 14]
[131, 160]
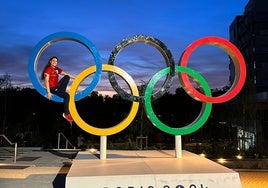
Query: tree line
[24, 110]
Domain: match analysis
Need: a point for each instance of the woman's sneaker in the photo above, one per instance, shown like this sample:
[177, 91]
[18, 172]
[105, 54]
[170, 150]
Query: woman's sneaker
[68, 117]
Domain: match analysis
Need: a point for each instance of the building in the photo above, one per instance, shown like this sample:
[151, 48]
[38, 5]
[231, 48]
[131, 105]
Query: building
[249, 32]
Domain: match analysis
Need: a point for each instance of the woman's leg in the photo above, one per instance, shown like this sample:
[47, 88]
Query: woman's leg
[61, 92]
[63, 83]
[66, 103]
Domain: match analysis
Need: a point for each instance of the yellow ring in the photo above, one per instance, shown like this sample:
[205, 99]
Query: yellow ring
[103, 131]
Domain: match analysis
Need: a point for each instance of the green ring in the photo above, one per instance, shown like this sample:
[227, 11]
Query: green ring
[203, 115]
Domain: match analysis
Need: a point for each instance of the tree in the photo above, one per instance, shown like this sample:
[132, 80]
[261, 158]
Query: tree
[5, 84]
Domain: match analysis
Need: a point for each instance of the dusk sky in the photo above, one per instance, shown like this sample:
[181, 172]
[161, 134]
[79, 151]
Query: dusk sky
[177, 23]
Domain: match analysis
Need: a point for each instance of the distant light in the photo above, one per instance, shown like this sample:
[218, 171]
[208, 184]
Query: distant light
[221, 160]
[239, 156]
[203, 155]
[92, 150]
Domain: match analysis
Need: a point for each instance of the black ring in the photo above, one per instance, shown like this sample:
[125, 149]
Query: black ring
[161, 47]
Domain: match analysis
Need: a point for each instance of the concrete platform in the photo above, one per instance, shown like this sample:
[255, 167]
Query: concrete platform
[148, 169]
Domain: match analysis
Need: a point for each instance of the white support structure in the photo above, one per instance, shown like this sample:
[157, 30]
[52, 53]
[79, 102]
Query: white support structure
[149, 168]
[103, 147]
[178, 146]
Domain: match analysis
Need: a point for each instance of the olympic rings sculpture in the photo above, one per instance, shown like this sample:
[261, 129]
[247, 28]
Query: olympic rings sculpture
[183, 73]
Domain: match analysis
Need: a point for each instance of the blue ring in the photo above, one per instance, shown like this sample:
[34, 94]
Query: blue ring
[47, 41]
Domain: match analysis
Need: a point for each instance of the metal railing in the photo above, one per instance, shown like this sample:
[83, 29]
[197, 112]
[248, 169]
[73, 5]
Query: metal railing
[67, 142]
[140, 144]
[11, 143]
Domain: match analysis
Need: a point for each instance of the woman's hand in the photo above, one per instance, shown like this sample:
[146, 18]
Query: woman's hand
[49, 95]
[68, 74]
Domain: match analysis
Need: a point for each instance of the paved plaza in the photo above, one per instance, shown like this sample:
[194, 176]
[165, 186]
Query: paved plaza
[36, 168]
[254, 179]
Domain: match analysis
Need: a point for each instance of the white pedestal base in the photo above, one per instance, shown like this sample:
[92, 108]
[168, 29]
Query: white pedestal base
[148, 169]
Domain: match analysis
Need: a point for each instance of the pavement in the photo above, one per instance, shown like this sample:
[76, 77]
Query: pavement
[253, 178]
[37, 168]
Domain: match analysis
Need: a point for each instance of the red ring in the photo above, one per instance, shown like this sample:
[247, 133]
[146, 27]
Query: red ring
[235, 55]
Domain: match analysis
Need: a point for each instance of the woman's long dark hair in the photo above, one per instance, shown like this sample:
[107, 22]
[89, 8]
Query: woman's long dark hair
[48, 64]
